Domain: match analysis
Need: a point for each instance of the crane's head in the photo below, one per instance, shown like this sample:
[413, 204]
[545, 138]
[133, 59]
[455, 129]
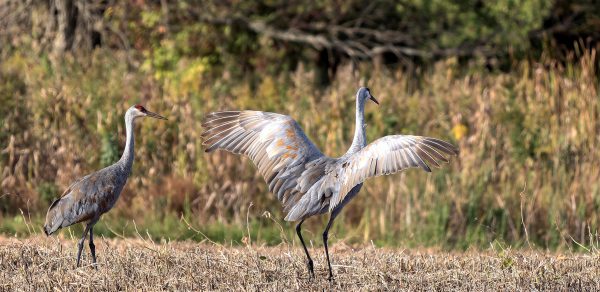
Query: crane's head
[140, 111]
[364, 94]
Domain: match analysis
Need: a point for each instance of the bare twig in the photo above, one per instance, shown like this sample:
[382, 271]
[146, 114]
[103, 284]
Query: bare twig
[197, 231]
[522, 220]
[248, 224]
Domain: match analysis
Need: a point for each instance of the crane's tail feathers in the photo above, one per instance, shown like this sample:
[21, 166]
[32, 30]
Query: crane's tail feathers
[293, 215]
[49, 229]
[54, 218]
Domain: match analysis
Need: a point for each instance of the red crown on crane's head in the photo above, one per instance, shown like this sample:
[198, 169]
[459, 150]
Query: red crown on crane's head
[141, 108]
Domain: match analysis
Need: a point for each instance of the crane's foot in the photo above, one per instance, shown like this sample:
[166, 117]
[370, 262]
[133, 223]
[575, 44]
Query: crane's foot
[94, 264]
[311, 271]
[79, 249]
[330, 278]
[93, 251]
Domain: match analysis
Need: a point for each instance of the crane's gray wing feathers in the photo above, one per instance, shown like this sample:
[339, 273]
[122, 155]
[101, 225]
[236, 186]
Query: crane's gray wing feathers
[385, 156]
[66, 192]
[86, 199]
[289, 162]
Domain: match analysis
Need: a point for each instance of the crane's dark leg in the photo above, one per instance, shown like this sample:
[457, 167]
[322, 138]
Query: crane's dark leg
[325, 235]
[80, 244]
[309, 263]
[93, 247]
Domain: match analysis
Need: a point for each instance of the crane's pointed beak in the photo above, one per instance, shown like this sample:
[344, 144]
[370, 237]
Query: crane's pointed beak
[154, 115]
[374, 100]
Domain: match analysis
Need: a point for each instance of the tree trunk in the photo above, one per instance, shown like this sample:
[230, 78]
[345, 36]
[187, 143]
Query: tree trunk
[65, 14]
[327, 64]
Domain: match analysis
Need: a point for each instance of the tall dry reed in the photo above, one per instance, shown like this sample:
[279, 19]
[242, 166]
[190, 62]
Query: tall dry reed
[527, 172]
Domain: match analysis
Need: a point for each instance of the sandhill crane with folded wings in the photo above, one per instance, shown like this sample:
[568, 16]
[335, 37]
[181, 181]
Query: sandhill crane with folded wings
[306, 182]
[95, 194]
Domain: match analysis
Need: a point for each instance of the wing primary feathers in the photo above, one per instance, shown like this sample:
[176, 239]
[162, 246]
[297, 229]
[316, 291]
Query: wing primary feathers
[420, 161]
[389, 155]
[441, 145]
[426, 156]
[437, 155]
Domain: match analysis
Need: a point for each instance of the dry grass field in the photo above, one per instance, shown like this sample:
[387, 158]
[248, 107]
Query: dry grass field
[40, 263]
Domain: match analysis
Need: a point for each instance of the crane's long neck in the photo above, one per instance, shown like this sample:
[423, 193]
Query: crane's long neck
[127, 157]
[360, 137]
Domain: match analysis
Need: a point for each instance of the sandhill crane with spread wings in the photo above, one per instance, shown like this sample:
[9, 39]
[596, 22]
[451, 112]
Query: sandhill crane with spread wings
[95, 194]
[306, 182]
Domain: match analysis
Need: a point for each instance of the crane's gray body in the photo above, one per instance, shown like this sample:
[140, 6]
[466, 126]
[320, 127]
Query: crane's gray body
[305, 181]
[88, 198]
[95, 194]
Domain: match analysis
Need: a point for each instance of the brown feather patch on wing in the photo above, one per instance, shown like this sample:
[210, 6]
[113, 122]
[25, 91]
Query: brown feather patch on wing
[274, 142]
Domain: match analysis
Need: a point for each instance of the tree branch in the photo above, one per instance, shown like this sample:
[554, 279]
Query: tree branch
[347, 40]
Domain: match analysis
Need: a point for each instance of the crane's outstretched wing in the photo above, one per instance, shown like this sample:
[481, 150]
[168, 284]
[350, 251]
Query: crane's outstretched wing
[274, 142]
[387, 155]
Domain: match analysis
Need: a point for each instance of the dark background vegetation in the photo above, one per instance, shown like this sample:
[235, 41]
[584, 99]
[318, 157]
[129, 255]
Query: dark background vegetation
[513, 83]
